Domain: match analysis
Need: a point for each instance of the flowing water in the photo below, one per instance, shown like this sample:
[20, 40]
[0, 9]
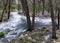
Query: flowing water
[17, 24]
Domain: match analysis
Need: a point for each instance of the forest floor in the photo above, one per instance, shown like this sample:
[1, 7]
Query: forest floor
[38, 35]
[40, 13]
[58, 35]
[41, 35]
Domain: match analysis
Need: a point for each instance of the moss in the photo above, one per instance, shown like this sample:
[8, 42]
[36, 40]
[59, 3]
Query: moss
[1, 34]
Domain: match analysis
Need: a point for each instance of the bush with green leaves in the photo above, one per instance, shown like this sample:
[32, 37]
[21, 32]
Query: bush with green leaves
[1, 34]
[0, 7]
[37, 7]
[12, 7]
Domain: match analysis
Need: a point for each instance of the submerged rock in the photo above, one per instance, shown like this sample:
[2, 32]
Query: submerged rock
[5, 20]
[13, 33]
[6, 31]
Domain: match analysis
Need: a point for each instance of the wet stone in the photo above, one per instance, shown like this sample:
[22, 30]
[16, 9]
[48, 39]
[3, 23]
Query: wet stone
[13, 33]
[6, 30]
[15, 41]
[4, 40]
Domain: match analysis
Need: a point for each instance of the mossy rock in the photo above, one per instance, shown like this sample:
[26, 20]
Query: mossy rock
[1, 34]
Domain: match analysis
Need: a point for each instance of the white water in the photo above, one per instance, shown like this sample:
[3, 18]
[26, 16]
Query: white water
[17, 23]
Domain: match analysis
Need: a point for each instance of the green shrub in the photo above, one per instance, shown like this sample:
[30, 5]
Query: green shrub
[19, 6]
[12, 7]
[30, 8]
[1, 34]
[0, 7]
[37, 7]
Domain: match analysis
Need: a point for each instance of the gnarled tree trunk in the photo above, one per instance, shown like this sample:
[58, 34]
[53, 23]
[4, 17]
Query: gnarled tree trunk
[58, 18]
[26, 11]
[4, 10]
[53, 22]
[33, 15]
[9, 5]
[43, 2]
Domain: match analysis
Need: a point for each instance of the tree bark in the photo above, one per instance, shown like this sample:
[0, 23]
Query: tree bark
[9, 5]
[43, 2]
[3, 11]
[58, 19]
[53, 22]
[26, 10]
[33, 15]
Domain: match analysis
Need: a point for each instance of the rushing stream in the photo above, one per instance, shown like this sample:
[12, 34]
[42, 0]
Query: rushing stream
[17, 24]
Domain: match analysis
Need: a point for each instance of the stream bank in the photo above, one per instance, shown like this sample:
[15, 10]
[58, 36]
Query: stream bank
[17, 24]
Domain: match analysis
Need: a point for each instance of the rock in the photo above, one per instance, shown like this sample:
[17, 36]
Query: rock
[5, 40]
[34, 40]
[39, 28]
[44, 27]
[21, 36]
[54, 41]
[1, 41]
[26, 35]
[13, 33]
[29, 38]
[5, 20]
[57, 42]
[58, 39]
[37, 38]
[19, 13]
[43, 42]
[15, 41]
[6, 31]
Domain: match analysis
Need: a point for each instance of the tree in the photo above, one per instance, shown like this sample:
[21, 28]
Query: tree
[18, 7]
[33, 15]
[9, 5]
[43, 2]
[58, 18]
[3, 10]
[26, 11]
[53, 22]
[58, 9]
[48, 7]
[39, 4]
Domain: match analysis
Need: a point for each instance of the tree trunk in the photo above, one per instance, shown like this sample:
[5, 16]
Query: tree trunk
[39, 4]
[43, 2]
[53, 22]
[9, 5]
[33, 16]
[3, 11]
[48, 7]
[26, 10]
[58, 19]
